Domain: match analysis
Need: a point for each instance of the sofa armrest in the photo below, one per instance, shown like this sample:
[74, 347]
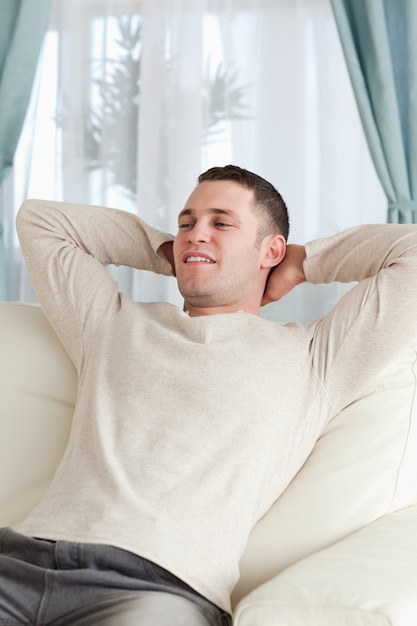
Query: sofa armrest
[367, 579]
[362, 468]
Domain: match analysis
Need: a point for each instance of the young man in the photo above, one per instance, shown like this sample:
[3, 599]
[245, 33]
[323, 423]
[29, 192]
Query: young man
[189, 423]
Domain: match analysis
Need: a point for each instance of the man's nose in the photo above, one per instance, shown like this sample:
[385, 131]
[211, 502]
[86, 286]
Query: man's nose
[199, 233]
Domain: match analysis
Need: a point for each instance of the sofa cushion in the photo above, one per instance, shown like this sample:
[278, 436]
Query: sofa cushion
[37, 392]
[367, 579]
[363, 466]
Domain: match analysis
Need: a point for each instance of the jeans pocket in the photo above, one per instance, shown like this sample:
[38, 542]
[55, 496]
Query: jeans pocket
[157, 574]
[3, 534]
[225, 619]
[163, 578]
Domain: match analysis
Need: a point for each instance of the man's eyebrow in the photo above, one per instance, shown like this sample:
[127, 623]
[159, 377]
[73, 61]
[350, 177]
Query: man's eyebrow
[214, 211]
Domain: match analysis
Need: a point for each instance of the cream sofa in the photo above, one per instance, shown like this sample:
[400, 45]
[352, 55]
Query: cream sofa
[339, 548]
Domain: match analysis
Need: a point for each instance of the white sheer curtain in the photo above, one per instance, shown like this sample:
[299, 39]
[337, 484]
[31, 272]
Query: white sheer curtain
[136, 98]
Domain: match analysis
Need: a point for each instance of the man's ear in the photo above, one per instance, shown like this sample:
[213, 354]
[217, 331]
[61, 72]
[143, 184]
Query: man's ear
[275, 247]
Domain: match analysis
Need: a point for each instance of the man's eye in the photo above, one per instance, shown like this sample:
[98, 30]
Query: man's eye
[221, 224]
[184, 226]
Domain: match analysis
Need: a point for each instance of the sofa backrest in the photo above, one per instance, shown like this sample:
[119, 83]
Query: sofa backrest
[363, 466]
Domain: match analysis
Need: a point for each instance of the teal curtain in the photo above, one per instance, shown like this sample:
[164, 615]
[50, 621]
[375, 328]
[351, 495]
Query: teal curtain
[379, 40]
[23, 24]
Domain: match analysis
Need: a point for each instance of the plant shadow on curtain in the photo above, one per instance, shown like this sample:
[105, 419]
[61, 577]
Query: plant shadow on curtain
[379, 38]
[156, 92]
[23, 25]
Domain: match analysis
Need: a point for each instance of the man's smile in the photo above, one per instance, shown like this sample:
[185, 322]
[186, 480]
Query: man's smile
[195, 257]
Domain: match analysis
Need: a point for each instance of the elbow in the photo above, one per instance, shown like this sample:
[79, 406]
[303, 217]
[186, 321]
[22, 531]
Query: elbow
[26, 212]
[27, 207]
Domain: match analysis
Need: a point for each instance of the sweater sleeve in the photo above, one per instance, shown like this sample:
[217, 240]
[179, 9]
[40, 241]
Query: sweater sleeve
[377, 318]
[66, 247]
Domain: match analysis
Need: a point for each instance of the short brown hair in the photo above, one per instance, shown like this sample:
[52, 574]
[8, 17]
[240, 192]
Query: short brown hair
[268, 201]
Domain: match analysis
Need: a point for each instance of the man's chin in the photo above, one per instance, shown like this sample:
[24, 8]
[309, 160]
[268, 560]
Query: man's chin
[199, 298]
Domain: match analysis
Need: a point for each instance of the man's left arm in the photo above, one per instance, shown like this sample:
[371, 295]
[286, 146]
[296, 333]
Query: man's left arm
[377, 318]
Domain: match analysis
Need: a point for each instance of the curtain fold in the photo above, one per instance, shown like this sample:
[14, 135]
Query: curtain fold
[23, 24]
[379, 39]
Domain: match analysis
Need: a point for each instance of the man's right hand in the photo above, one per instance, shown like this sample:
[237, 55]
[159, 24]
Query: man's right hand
[285, 276]
[167, 250]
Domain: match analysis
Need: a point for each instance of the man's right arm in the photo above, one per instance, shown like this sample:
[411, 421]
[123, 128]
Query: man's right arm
[66, 247]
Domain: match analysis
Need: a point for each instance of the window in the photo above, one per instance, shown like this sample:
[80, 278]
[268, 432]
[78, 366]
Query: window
[135, 99]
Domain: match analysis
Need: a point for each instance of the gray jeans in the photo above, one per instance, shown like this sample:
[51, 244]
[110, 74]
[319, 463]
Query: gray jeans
[62, 583]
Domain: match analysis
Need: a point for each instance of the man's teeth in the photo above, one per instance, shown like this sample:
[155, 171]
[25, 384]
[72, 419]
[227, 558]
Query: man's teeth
[198, 259]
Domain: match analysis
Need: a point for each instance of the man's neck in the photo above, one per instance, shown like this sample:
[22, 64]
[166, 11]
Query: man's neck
[199, 311]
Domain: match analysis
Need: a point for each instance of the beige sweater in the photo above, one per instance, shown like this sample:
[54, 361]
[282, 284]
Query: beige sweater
[186, 429]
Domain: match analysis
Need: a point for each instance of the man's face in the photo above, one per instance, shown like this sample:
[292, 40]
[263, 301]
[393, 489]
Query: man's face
[216, 252]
